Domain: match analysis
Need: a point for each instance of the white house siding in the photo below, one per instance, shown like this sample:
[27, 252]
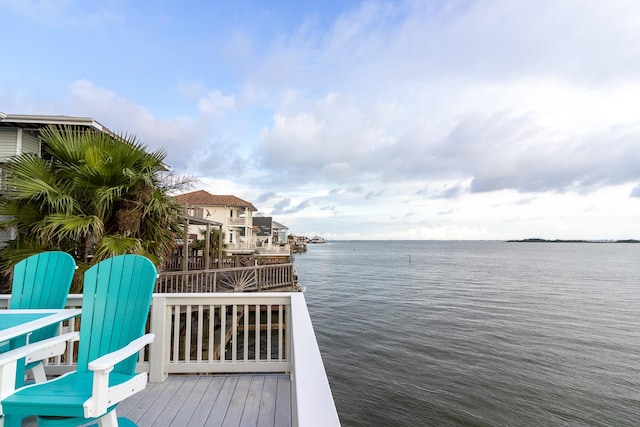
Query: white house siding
[30, 143]
[8, 141]
[223, 215]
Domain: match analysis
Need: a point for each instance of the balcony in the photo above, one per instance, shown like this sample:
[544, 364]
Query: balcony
[239, 222]
[261, 345]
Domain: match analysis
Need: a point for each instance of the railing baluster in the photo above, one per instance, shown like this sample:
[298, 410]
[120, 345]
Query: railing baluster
[269, 329]
[176, 333]
[280, 329]
[212, 333]
[223, 331]
[246, 333]
[187, 338]
[234, 341]
[256, 338]
[200, 331]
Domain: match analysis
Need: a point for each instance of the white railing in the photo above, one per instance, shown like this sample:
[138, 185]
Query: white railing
[274, 249]
[240, 247]
[230, 333]
[263, 332]
[239, 221]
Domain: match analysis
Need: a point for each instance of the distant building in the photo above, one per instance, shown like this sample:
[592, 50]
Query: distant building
[234, 213]
[280, 233]
[262, 226]
[268, 231]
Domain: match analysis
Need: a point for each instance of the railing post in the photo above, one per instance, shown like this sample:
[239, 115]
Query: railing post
[157, 353]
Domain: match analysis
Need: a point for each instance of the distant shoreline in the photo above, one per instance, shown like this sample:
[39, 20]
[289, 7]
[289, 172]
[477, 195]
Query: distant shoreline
[573, 241]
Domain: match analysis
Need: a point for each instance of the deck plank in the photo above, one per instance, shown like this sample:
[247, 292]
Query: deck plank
[237, 403]
[283, 402]
[267, 411]
[220, 405]
[252, 403]
[205, 405]
[177, 404]
[196, 408]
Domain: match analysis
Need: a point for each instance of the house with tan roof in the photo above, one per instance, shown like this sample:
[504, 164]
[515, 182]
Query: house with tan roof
[234, 213]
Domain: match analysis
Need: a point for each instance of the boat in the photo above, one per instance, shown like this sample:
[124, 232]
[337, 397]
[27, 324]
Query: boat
[317, 239]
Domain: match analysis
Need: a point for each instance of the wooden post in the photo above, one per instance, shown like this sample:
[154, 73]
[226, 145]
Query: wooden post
[207, 248]
[185, 248]
[220, 247]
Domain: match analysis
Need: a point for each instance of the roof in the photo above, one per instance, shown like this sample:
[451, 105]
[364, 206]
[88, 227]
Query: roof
[36, 122]
[202, 198]
[201, 221]
[278, 226]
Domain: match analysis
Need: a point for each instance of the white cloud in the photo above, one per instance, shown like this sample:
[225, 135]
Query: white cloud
[215, 103]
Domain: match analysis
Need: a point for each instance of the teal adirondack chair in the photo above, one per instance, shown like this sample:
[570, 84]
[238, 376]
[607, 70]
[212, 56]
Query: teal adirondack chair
[115, 306]
[41, 281]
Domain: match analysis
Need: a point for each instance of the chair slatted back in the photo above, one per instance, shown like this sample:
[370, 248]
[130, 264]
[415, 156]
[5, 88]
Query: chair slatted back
[42, 281]
[115, 307]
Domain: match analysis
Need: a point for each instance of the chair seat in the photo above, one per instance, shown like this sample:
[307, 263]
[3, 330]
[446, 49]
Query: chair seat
[62, 397]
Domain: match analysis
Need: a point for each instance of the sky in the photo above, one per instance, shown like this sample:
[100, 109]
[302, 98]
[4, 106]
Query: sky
[402, 119]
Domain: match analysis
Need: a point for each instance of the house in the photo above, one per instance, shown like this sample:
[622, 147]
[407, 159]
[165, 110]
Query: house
[20, 133]
[262, 226]
[234, 213]
[280, 233]
[268, 231]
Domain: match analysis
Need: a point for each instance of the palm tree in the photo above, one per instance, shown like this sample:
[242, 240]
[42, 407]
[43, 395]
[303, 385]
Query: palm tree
[91, 194]
[215, 237]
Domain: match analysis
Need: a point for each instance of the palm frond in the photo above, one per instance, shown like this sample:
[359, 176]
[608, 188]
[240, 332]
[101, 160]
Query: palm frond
[116, 244]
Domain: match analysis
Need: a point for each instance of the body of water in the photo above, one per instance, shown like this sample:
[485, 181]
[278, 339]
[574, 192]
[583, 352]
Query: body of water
[420, 333]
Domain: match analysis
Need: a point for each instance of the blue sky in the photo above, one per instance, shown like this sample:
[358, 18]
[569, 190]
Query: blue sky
[417, 119]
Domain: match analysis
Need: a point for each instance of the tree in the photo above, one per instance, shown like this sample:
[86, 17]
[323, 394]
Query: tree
[91, 194]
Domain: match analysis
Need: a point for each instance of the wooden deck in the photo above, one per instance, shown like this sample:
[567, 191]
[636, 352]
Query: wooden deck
[211, 400]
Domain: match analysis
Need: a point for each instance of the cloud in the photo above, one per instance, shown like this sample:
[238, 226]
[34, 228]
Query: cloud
[374, 194]
[191, 144]
[214, 103]
[285, 206]
[503, 95]
[265, 197]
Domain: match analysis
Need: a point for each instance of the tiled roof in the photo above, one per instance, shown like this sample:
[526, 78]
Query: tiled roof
[202, 198]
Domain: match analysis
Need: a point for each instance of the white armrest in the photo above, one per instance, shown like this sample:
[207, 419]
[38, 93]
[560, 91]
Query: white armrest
[107, 361]
[39, 350]
[103, 396]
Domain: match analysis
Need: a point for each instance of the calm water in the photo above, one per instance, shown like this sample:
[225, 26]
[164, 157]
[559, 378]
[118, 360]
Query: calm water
[478, 333]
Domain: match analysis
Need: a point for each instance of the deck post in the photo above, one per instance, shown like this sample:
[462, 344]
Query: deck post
[157, 353]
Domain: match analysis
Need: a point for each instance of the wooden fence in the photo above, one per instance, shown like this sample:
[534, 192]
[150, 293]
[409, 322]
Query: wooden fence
[241, 279]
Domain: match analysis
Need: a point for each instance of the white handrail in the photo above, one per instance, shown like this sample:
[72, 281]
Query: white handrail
[311, 399]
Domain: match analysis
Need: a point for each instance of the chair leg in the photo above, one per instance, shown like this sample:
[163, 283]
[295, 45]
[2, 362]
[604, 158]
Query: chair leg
[38, 373]
[108, 420]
